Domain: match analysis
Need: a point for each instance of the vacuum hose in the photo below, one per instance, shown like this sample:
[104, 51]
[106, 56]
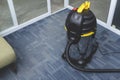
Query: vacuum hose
[82, 68]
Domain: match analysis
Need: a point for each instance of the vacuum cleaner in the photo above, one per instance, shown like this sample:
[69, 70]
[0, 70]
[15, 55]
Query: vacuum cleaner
[81, 29]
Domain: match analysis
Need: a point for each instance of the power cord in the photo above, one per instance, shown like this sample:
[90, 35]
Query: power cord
[105, 52]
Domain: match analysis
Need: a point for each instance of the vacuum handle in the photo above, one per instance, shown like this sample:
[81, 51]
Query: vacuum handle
[84, 6]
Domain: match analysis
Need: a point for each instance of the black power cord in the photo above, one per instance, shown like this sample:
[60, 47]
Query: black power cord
[105, 52]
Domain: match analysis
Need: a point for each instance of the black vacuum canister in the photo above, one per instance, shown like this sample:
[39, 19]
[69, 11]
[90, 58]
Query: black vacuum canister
[81, 44]
[81, 29]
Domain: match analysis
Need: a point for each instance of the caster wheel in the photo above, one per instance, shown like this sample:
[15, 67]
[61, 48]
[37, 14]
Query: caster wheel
[63, 56]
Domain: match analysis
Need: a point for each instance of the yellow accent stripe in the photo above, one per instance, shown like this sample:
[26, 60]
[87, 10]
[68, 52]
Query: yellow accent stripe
[84, 35]
[65, 28]
[87, 34]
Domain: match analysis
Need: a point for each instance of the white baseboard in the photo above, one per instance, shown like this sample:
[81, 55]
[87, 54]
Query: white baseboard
[113, 29]
[15, 28]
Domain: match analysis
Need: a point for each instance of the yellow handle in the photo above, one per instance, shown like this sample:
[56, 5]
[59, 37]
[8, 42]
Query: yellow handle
[85, 5]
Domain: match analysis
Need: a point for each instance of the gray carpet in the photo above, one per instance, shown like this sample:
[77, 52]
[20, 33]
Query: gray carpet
[39, 48]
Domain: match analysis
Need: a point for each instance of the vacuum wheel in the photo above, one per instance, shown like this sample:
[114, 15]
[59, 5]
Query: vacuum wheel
[63, 56]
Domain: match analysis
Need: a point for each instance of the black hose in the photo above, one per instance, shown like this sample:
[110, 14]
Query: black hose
[85, 69]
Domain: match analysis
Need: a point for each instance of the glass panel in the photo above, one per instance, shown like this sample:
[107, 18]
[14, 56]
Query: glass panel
[99, 7]
[5, 16]
[57, 4]
[116, 19]
[28, 9]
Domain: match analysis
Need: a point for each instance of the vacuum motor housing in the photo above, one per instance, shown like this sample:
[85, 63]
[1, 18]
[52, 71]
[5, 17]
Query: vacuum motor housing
[78, 24]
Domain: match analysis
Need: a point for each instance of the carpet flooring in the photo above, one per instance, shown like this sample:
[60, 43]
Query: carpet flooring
[39, 48]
